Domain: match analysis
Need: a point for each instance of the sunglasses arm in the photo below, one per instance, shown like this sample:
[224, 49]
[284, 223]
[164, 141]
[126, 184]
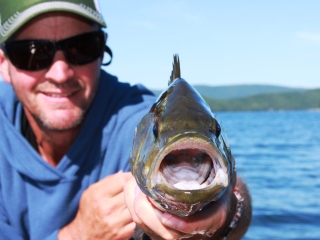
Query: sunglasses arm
[3, 47]
[108, 50]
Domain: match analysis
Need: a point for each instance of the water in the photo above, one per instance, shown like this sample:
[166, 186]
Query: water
[278, 155]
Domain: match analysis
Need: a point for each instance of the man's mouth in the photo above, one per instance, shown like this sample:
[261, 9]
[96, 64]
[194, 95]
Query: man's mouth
[58, 95]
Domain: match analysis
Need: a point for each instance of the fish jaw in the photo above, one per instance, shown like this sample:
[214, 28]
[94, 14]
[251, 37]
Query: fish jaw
[189, 173]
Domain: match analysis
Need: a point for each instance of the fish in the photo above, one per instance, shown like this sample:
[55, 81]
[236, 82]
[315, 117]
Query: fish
[180, 156]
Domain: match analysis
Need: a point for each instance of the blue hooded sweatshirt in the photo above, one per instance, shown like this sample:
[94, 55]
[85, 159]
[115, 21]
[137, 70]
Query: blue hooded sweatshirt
[36, 199]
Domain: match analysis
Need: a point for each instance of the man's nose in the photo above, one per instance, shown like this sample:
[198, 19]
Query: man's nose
[60, 70]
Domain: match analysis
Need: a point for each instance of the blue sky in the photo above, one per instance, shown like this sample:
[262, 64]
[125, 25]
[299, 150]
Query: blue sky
[273, 42]
[220, 43]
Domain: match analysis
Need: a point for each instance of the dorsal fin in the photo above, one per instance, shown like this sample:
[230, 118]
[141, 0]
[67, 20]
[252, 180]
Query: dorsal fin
[175, 69]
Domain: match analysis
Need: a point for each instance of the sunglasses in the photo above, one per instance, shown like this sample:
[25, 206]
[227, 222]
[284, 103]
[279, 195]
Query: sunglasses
[33, 55]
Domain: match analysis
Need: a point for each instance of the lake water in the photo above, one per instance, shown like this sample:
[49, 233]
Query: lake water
[278, 155]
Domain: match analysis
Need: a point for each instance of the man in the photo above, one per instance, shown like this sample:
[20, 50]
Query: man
[66, 129]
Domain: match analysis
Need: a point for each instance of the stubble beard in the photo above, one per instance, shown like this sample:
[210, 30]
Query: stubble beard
[48, 123]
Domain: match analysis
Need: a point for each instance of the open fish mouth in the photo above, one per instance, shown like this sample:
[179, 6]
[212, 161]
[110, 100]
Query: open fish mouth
[190, 166]
[188, 169]
[190, 173]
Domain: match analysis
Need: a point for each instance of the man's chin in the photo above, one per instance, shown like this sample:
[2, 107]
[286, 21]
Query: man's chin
[60, 123]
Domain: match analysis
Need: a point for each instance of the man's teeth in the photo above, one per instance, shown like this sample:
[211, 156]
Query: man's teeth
[59, 95]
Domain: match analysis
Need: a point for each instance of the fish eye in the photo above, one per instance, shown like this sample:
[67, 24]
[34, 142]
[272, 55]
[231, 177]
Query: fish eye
[216, 128]
[155, 129]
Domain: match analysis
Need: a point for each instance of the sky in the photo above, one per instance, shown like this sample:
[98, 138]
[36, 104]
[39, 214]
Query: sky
[219, 42]
[274, 42]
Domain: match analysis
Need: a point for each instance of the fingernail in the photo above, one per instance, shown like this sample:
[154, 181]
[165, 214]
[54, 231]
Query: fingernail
[158, 213]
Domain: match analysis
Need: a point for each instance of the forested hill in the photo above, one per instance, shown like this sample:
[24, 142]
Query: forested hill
[309, 99]
[238, 91]
[258, 97]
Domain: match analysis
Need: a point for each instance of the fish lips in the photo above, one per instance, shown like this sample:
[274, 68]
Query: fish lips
[189, 172]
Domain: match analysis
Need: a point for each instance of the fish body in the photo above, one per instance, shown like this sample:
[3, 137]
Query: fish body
[180, 156]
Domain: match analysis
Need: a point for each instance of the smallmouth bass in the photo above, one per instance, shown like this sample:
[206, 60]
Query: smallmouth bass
[180, 156]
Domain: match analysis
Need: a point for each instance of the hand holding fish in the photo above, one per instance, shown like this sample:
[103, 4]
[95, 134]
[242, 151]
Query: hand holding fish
[102, 212]
[210, 223]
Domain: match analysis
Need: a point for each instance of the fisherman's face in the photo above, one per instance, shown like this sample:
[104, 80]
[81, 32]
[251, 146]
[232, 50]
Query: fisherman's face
[59, 96]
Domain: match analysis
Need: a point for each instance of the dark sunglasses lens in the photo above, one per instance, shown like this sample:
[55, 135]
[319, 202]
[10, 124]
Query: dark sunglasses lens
[30, 55]
[84, 49]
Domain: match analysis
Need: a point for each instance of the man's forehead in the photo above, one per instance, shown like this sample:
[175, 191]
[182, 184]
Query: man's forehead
[55, 26]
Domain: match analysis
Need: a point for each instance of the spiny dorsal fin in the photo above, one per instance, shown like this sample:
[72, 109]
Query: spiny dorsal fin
[175, 69]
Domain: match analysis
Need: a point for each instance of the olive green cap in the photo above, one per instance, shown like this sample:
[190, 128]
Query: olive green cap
[15, 13]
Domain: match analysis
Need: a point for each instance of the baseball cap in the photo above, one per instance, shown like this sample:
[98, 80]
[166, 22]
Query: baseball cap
[15, 13]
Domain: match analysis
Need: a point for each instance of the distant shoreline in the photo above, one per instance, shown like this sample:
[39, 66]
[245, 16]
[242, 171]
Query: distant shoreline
[257, 111]
[259, 98]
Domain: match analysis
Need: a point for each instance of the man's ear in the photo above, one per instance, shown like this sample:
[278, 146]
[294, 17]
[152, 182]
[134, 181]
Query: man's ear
[4, 67]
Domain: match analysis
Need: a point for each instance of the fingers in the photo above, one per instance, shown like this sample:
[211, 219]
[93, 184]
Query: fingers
[114, 184]
[130, 194]
[207, 221]
[103, 211]
[163, 225]
[125, 232]
[111, 197]
[145, 215]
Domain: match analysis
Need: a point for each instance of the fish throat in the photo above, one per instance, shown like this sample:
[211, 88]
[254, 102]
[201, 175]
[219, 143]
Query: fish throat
[188, 169]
